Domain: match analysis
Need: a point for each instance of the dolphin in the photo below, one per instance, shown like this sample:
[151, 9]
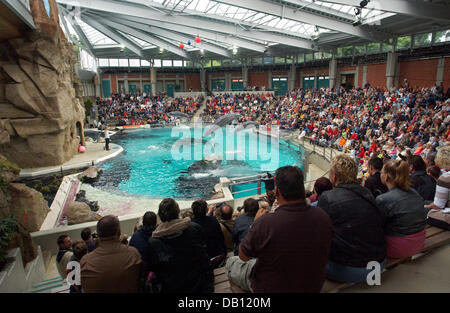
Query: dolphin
[177, 114]
[220, 122]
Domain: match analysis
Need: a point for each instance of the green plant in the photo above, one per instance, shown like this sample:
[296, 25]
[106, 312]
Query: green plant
[87, 106]
[8, 226]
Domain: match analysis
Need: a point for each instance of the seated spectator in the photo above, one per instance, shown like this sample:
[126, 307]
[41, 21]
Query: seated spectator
[64, 254]
[112, 267]
[140, 238]
[322, 184]
[358, 224]
[215, 243]
[373, 182]
[226, 221]
[434, 171]
[243, 222]
[79, 248]
[284, 251]
[442, 196]
[86, 235]
[424, 184]
[178, 254]
[404, 214]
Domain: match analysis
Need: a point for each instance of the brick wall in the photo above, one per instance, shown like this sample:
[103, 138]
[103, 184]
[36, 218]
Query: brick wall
[258, 79]
[376, 75]
[446, 78]
[419, 72]
[193, 81]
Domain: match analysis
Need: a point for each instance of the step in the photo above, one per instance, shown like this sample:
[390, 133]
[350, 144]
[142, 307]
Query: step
[48, 281]
[48, 288]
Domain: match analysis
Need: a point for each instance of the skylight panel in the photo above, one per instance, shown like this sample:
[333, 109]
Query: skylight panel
[274, 22]
[202, 5]
[94, 36]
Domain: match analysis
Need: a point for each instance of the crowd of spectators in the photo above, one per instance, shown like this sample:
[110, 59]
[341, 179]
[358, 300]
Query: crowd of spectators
[292, 239]
[365, 122]
[288, 241]
[127, 109]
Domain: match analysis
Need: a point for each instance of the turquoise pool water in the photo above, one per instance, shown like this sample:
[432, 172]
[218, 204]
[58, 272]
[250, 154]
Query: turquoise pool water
[151, 166]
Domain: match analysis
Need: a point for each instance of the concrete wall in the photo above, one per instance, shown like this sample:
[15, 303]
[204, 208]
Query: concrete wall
[14, 277]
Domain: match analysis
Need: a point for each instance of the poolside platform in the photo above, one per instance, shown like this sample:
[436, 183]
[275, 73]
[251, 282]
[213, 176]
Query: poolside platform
[94, 154]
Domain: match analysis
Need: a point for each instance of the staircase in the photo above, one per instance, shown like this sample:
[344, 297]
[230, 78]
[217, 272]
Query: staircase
[200, 110]
[52, 285]
[53, 282]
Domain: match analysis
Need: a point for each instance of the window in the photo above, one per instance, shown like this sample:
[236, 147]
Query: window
[422, 40]
[156, 63]
[216, 63]
[308, 57]
[123, 62]
[373, 47]
[347, 51]
[236, 62]
[360, 49]
[257, 60]
[103, 62]
[113, 62]
[388, 45]
[327, 55]
[226, 62]
[403, 42]
[267, 60]
[442, 36]
[279, 60]
[317, 55]
[135, 63]
[145, 63]
[207, 63]
[167, 63]
[339, 52]
[290, 60]
[301, 58]
[188, 63]
[177, 63]
[283, 79]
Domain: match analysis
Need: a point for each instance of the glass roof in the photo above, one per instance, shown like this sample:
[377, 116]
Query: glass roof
[239, 16]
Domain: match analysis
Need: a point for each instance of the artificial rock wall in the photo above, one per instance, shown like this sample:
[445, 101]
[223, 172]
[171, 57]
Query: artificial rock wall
[41, 112]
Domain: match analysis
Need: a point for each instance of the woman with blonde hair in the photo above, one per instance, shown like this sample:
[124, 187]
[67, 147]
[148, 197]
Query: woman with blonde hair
[403, 210]
[442, 195]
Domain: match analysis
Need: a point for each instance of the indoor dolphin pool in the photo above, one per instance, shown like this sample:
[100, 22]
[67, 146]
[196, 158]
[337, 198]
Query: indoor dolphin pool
[167, 162]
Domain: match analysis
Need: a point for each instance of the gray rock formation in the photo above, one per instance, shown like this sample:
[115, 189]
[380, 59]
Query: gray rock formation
[28, 206]
[41, 112]
[80, 212]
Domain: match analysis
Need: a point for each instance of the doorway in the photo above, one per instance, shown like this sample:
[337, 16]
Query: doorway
[348, 81]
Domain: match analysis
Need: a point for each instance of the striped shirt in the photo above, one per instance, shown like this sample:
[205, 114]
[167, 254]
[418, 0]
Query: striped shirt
[442, 196]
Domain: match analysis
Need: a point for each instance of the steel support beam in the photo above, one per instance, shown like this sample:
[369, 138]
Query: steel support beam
[423, 9]
[23, 12]
[171, 35]
[147, 38]
[81, 35]
[211, 36]
[114, 35]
